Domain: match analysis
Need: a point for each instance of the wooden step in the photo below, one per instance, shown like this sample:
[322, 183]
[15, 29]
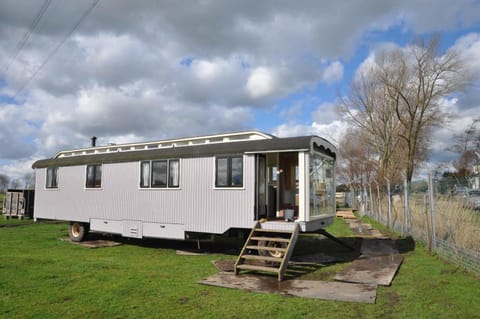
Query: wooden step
[257, 236]
[262, 258]
[275, 239]
[258, 268]
[267, 248]
[280, 231]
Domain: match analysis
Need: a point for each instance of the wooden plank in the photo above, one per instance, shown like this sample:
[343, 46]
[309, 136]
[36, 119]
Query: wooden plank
[99, 243]
[346, 214]
[244, 248]
[374, 270]
[262, 258]
[267, 248]
[288, 253]
[275, 239]
[268, 230]
[338, 291]
[257, 268]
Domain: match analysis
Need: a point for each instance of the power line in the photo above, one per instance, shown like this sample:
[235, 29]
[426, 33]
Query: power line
[28, 33]
[59, 45]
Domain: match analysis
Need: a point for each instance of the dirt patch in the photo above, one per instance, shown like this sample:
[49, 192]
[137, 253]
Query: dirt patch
[224, 265]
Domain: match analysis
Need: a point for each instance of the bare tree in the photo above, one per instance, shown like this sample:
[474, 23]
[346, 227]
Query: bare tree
[398, 101]
[4, 182]
[16, 183]
[422, 79]
[369, 107]
[357, 159]
[29, 179]
[466, 145]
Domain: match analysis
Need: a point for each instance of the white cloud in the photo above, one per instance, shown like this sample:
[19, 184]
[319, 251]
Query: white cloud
[332, 131]
[260, 83]
[155, 69]
[206, 70]
[333, 73]
[325, 113]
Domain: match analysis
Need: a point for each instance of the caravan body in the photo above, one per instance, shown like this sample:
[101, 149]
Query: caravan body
[176, 188]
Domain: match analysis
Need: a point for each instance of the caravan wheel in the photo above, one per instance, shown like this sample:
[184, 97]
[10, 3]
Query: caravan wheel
[271, 253]
[77, 231]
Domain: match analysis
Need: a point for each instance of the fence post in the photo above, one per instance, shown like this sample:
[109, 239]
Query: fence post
[405, 210]
[432, 209]
[372, 201]
[389, 216]
[379, 213]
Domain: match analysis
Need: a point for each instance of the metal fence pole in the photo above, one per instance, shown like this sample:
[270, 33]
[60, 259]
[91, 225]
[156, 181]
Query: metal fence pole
[389, 216]
[379, 213]
[405, 210]
[432, 208]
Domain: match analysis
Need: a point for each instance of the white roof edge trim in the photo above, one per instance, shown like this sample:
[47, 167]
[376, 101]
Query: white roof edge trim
[278, 151]
[189, 141]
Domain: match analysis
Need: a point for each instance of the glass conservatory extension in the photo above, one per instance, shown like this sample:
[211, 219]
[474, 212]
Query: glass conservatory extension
[322, 186]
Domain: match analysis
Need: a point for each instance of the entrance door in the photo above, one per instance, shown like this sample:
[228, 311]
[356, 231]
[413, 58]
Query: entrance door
[260, 187]
[277, 184]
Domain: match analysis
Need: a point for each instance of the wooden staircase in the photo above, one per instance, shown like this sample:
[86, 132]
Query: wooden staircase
[267, 249]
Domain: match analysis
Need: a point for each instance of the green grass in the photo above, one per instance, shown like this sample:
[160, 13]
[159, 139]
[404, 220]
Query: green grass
[44, 277]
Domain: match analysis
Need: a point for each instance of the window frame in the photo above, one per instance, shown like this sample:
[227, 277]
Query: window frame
[53, 180]
[230, 172]
[169, 182]
[96, 172]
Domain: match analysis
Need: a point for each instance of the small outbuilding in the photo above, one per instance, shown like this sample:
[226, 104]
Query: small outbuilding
[18, 203]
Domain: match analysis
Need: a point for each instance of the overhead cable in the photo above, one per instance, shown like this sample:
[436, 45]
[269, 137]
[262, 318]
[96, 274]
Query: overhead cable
[59, 45]
[21, 44]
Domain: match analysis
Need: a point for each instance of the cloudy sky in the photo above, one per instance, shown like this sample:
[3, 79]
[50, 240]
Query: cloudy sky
[129, 71]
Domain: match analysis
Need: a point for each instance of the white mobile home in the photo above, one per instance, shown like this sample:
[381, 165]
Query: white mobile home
[179, 188]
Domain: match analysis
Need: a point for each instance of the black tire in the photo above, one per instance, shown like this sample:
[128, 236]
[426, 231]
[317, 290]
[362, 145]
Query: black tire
[270, 253]
[77, 231]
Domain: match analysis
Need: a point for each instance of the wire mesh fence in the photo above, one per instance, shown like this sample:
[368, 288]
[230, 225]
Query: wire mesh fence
[437, 212]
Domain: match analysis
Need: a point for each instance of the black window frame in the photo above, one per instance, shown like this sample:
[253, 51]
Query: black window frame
[169, 179]
[52, 182]
[91, 183]
[230, 172]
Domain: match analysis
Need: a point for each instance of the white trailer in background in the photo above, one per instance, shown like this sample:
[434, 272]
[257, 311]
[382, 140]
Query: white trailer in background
[178, 188]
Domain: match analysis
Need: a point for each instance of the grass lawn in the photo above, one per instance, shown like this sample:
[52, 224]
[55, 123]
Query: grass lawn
[44, 277]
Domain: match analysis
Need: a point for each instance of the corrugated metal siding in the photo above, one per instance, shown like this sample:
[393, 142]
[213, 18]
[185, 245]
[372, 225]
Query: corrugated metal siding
[197, 205]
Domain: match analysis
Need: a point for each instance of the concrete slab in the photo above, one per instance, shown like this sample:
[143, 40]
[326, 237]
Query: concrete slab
[338, 291]
[373, 270]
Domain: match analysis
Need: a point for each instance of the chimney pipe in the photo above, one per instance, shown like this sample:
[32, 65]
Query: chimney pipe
[94, 141]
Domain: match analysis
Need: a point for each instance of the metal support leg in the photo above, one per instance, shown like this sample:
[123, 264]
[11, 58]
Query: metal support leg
[335, 239]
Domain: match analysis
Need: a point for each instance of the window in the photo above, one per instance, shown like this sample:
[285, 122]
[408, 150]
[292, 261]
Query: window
[229, 171]
[145, 174]
[160, 174]
[52, 177]
[94, 176]
[173, 173]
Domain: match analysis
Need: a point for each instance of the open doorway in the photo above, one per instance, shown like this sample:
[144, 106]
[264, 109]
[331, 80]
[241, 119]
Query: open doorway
[277, 186]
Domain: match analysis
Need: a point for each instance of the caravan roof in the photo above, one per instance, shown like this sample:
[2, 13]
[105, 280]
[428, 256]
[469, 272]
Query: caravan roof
[239, 142]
